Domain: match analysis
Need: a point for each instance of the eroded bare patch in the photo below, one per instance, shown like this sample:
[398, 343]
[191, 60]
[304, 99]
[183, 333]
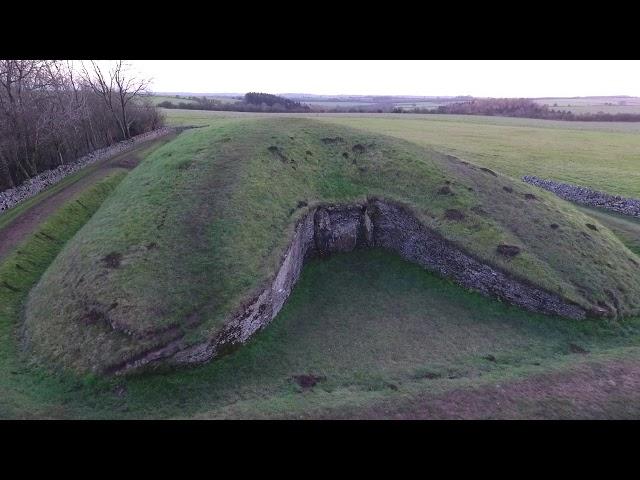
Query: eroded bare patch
[453, 214]
[508, 250]
[112, 260]
[308, 380]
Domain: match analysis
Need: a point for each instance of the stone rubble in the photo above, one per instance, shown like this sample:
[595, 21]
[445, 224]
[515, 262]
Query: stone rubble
[13, 196]
[586, 196]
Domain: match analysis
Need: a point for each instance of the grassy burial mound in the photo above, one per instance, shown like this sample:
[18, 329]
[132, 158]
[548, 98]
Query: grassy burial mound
[199, 247]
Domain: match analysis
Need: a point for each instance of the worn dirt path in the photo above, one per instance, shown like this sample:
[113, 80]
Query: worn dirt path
[28, 221]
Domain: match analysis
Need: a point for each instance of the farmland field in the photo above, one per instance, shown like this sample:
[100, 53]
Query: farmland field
[589, 101]
[601, 108]
[156, 99]
[593, 104]
[329, 104]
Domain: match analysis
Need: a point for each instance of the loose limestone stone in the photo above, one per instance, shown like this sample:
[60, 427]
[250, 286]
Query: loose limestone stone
[586, 196]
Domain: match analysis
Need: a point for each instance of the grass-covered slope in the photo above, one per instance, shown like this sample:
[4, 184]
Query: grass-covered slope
[202, 223]
[19, 271]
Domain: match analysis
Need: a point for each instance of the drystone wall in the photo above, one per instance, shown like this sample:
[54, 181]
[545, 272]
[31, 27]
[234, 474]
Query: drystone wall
[343, 228]
[586, 196]
[11, 197]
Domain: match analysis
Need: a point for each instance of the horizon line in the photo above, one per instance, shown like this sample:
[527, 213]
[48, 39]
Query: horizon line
[394, 95]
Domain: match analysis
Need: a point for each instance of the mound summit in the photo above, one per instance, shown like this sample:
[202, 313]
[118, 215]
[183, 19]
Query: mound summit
[199, 247]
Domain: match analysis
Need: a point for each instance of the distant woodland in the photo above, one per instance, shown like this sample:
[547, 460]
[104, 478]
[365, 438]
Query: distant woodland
[252, 102]
[521, 107]
[504, 107]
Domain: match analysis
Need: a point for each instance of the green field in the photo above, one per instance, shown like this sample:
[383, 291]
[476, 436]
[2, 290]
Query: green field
[376, 331]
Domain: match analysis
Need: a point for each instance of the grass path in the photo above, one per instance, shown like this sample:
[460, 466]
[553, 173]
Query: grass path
[20, 222]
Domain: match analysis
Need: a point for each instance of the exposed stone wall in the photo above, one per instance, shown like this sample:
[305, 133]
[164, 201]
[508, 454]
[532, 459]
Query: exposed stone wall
[11, 197]
[396, 229]
[343, 228]
[586, 196]
[262, 309]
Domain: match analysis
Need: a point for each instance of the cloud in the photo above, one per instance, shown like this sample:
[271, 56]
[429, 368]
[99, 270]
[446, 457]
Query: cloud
[505, 78]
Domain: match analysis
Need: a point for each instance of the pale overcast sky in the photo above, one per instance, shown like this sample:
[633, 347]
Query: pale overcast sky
[481, 78]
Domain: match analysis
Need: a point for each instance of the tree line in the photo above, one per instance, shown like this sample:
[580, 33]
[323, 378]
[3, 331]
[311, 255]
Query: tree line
[53, 112]
[251, 102]
[264, 102]
[521, 107]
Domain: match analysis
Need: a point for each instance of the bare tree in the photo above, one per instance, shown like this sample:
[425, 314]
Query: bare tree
[21, 109]
[117, 89]
[50, 115]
